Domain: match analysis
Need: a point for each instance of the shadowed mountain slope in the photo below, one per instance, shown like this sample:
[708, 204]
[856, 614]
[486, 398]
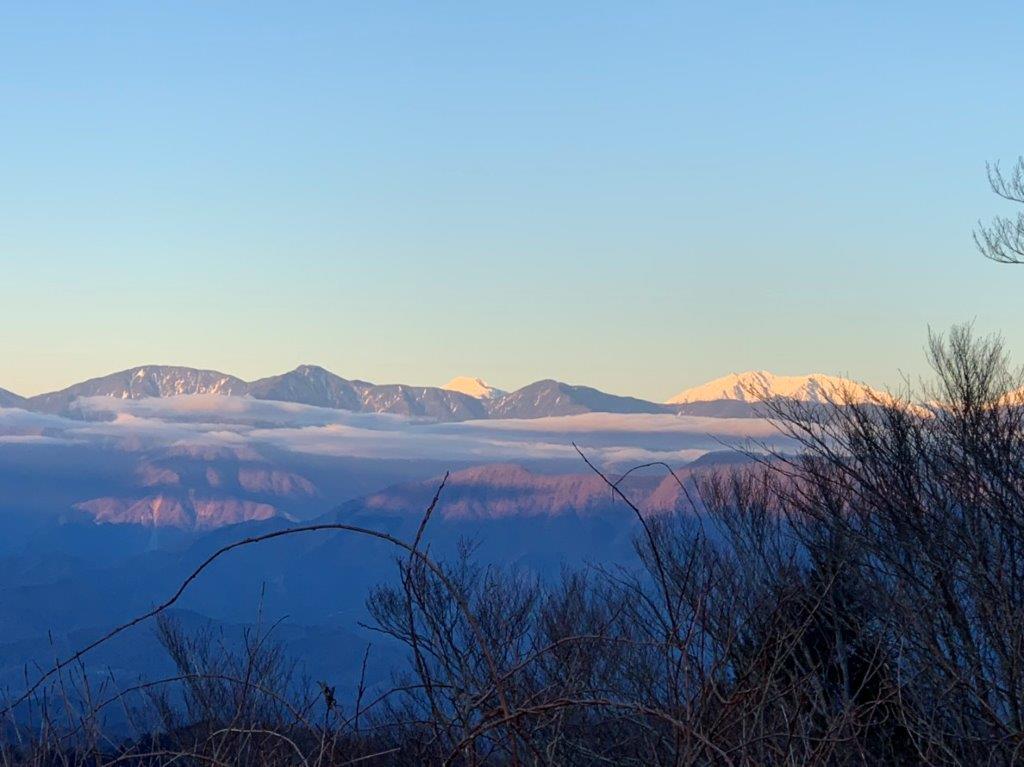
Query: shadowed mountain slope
[10, 399]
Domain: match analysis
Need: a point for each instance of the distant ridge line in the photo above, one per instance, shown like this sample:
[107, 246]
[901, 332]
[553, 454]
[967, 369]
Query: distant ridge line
[463, 398]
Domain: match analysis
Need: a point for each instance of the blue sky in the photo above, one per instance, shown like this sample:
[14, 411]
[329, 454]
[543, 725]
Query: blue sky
[637, 196]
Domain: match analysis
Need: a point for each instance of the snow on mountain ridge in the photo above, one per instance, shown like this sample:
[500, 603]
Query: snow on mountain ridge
[474, 387]
[761, 385]
[463, 398]
[140, 382]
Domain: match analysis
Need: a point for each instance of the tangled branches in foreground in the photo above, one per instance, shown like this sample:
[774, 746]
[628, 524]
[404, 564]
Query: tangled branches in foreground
[859, 602]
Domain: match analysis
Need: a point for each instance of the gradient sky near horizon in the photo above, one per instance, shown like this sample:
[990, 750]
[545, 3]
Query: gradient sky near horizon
[634, 196]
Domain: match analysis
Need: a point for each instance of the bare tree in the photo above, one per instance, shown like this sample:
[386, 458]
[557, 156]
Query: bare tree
[929, 502]
[1002, 239]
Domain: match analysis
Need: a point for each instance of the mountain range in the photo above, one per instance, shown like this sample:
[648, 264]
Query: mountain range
[67, 582]
[462, 399]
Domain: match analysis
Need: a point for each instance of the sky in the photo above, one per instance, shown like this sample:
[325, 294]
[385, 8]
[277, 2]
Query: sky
[635, 196]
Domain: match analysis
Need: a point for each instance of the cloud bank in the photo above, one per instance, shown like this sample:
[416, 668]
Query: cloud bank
[242, 422]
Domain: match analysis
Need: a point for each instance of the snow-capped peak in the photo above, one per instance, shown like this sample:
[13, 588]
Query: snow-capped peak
[474, 387]
[760, 385]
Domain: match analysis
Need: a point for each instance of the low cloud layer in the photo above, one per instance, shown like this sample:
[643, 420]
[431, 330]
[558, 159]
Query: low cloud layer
[238, 422]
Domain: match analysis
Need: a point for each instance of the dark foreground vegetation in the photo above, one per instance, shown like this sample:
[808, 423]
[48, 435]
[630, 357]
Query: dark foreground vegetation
[861, 602]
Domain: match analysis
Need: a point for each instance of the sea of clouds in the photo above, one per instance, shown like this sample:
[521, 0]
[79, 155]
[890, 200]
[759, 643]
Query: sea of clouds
[238, 422]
